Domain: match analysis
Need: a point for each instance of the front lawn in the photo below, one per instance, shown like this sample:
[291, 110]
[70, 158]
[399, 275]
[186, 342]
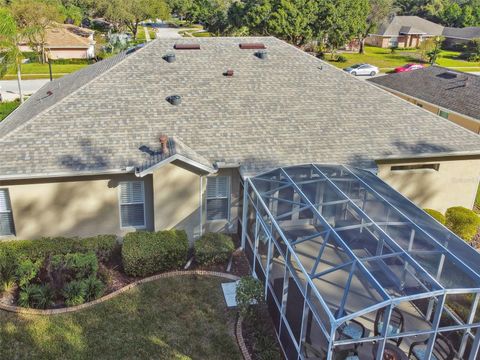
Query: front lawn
[41, 71]
[477, 200]
[386, 61]
[7, 107]
[173, 318]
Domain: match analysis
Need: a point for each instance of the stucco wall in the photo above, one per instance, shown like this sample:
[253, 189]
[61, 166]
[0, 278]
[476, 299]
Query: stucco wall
[82, 206]
[454, 184]
[177, 200]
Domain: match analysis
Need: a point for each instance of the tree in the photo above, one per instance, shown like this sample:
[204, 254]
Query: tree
[10, 54]
[433, 53]
[292, 20]
[130, 13]
[180, 8]
[379, 11]
[250, 16]
[33, 18]
[451, 15]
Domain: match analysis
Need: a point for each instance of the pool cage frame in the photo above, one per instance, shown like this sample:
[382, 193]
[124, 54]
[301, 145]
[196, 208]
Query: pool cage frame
[314, 303]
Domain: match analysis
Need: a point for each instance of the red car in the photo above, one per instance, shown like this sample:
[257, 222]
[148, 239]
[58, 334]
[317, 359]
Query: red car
[408, 67]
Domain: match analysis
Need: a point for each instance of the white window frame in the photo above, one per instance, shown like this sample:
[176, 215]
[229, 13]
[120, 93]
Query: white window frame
[228, 197]
[139, 227]
[8, 212]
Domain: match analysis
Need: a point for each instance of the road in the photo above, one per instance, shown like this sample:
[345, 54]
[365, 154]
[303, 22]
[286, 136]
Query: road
[9, 88]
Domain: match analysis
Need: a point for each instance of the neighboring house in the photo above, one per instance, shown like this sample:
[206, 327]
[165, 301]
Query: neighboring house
[65, 41]
[410, 31]
[82, 156]
[453, 95]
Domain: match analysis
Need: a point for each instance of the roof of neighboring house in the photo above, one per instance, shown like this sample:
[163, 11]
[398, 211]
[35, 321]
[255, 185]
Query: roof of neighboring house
[467, 33]
[453, 90]
[405, 25]
[287, 109]
[68, 36]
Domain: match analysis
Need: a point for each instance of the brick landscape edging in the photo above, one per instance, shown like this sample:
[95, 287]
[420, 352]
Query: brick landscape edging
[240, 339]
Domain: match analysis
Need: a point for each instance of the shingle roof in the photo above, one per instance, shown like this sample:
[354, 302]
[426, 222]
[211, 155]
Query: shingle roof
[399, 25]
[466, 33]
[290, 108]
[457, 91]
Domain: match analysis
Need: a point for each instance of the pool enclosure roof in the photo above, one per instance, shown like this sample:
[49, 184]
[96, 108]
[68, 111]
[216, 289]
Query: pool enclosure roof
[338, 220]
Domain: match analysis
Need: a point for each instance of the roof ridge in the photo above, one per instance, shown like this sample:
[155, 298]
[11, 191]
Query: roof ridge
[7, 120]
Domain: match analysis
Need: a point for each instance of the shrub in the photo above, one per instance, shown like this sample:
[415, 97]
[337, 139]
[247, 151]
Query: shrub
[249, 292]
[36, 296]
[463, 222]
[8, 268]
[81, 265]
[102, 245]
[213, 248]
[27, 270]
[437, 215]
[341, 59]
[145, 253]
[75, 293]
[94, 288]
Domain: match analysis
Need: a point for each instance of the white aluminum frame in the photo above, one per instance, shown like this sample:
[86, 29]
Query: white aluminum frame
[138, 227]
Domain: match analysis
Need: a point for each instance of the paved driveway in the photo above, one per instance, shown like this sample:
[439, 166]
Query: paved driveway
[9, 88]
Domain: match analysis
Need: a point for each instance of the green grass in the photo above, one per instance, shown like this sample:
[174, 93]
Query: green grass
[385, 60]
[177, 318]
[7, 107]
[202, 34]
[477, 199]
[41, 71]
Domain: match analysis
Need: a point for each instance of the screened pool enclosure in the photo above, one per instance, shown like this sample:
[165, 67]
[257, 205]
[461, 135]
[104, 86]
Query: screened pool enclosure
[354, 270]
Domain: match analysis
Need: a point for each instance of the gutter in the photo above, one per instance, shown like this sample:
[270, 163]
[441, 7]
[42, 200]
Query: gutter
[126, 170]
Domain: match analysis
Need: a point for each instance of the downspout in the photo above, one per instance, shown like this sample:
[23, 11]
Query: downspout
[200, 202]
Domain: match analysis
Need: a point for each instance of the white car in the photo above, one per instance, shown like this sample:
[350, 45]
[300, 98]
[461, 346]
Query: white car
[362, 69]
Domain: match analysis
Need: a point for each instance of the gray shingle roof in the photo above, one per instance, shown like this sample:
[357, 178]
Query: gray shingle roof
[457, 91]
[466, 33]
[291, 108]
[401, 24]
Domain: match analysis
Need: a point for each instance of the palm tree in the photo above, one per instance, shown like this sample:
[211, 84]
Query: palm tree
[10, 54]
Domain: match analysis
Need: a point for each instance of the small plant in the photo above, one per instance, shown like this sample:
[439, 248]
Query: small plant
[249, 292]
[75, 293]
[463, 222]
[213, 248]
[81, 265]
[94, 288]
[8, 267]
[27, 270]
[393, 49]
[341, 59]
[437, 215]
[35, 296]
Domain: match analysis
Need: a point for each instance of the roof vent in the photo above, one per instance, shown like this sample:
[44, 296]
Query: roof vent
[170, 58]
[186, 46]
[254, 46]
[228, 73]
[448, 75]
[174, 99]
[261, 54]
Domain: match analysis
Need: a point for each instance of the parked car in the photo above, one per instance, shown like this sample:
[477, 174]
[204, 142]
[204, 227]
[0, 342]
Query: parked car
[362, 69]
[409, 67]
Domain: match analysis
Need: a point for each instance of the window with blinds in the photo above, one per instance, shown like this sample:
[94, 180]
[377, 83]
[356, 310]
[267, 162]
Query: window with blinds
[218, 194]
[132, 204]
[6, 215]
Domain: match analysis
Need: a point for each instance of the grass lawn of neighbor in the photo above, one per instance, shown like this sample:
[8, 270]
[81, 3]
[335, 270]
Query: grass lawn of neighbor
[41, 71]
[173, 318]
[7, 107]
[386, 61]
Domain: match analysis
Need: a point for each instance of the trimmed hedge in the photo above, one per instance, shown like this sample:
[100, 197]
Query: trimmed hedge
[437, 215]
[102, 245]
[146, 253]
[463, 222]
[213, 248]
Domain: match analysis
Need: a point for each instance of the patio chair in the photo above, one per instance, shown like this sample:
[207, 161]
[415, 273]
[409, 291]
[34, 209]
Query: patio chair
[396, 325]
[442, 350]
[352, 329]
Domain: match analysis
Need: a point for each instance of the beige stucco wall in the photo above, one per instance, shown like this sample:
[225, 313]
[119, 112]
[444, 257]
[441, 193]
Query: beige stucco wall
[455, 184]
[81, 206]
[177, 200]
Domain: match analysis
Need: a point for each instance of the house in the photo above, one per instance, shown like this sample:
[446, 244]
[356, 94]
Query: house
[453, 95]
[66, 41]
[166, 135]
[410, 31]
[404, 32]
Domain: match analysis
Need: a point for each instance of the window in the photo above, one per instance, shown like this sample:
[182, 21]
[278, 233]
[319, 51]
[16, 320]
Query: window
[132, 204]
[6, 216]
[443, 114]
[218, 193]
[435, 167]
